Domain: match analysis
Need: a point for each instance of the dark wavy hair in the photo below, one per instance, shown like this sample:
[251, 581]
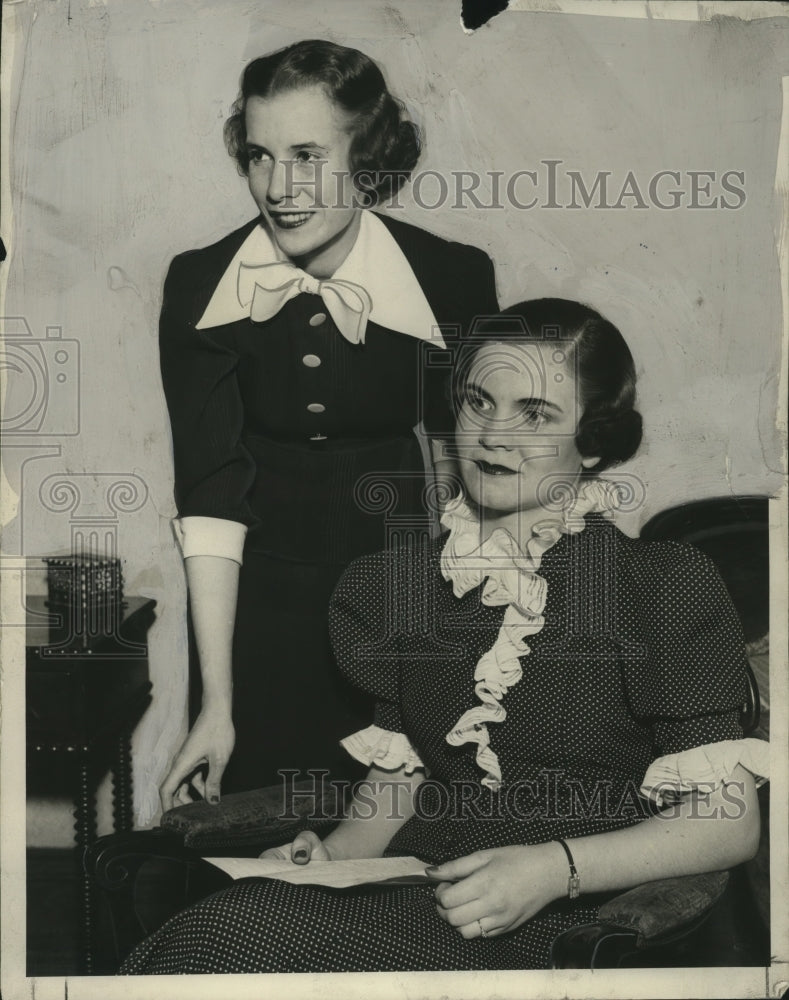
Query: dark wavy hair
[386, 145]
[609, 427]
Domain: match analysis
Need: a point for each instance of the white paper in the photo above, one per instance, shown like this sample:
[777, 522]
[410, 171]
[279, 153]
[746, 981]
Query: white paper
[337, 874]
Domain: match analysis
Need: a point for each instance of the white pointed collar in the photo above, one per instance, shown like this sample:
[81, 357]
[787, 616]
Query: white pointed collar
[375, 262]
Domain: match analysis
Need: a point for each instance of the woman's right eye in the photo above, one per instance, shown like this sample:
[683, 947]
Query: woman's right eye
[478, 402]
[257, 155]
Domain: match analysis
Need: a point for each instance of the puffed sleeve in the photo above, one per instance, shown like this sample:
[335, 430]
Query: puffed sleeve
[690, 683]
[368, 657]
[688, 678]
[213, 470]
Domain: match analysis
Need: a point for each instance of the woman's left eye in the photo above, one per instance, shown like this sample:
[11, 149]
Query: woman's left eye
[307, 156]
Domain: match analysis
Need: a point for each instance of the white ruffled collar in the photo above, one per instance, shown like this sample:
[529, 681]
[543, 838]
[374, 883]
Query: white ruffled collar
[375, 262]
[510, 576]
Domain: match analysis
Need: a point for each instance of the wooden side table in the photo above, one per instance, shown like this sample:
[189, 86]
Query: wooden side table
[85, 695]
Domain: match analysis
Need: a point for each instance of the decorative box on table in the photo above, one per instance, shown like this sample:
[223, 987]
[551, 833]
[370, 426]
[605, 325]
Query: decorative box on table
[86, 591]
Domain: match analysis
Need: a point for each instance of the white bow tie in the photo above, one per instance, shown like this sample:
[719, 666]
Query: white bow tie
[265, 288]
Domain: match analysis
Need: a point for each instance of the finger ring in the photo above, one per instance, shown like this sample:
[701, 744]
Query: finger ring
[482, 930]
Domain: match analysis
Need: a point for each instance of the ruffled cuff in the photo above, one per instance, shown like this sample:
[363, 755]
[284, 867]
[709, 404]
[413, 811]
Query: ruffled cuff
[704, 768]
[382, 748]
[210, 536]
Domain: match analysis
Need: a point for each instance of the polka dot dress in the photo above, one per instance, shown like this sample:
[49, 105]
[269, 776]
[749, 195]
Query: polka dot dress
[261, 925]
[641, 655]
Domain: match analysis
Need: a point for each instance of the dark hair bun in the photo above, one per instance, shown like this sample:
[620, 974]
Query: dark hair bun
[614, 436]
[385, 149]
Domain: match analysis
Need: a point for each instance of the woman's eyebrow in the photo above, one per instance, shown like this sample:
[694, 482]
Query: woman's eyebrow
[536, 402]
[249, 145]
[473, 387]
[528, 402]
[309, 145]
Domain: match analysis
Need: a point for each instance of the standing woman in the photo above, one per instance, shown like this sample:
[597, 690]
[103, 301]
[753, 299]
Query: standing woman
[291, 355]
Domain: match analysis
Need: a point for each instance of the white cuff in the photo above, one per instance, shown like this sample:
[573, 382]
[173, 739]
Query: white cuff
[382, 748]
[210, 536]
[704, 768]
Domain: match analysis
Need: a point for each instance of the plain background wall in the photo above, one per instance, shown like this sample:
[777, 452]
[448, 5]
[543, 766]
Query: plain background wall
[116, 162]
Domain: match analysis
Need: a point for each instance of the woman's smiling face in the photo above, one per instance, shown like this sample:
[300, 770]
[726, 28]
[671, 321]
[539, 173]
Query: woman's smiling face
[299, 175]
[515, 432]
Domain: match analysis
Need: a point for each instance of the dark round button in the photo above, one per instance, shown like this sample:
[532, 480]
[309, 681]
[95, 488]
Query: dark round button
[317, 319]
[311, 360]
[316, 408]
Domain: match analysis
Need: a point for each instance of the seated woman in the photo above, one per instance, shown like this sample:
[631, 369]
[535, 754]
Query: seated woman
[558, 704]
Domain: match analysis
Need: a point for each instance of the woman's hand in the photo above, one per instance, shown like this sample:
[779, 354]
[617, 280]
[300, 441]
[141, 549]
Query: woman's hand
[495, 891]
[305, 848]
[210, 742]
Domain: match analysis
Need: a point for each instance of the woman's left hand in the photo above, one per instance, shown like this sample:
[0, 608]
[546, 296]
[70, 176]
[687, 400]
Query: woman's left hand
[496, 890]
[307, 847]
